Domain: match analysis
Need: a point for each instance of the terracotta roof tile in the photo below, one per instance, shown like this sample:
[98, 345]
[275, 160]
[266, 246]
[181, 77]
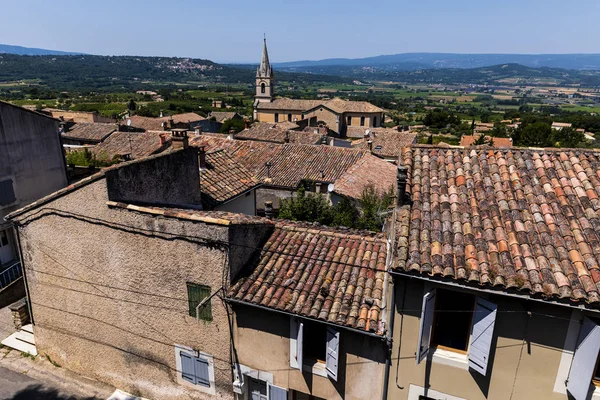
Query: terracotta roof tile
[270, 132]
[136, 144]
[512, 219]
[96, 132]
[222, 116]
[338, 105]
[368, 171]
[333, 275]
[386, 142]
[469, 140]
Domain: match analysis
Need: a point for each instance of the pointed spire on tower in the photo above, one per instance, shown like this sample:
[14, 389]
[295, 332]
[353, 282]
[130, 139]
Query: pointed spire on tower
[265, 70]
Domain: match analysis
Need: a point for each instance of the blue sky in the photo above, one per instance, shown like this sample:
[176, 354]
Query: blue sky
[231, 31]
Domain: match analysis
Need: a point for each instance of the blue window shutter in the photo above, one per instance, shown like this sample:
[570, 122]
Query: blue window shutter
[187, 367]
[332, 354]
[427, 311]
[584, 360]
[277, 393]
[201, 370]
[482, 334]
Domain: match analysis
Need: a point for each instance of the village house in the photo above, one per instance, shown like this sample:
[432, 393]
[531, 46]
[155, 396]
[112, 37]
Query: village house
[283, 168]
[560, 125]
[283, 132]
[336, 114]
[31, 166]
[87, 133]
[77, 116]
[471, 140]
[385, 143]
[496, 274]
[163, 123]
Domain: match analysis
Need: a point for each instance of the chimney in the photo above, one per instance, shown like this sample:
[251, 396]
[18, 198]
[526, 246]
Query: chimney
[246, 124]
[163, 139]
[179, 138]
[269, 209]
[287, 137]
[370, 144]
[268, 165]
[401, 180]
[318, 187]
[201, 157]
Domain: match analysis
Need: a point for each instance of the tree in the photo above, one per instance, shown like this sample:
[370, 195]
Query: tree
[485, 117]
[539, 134]
[236, 124]
[131, 106]
[568, 137]
[373, 206]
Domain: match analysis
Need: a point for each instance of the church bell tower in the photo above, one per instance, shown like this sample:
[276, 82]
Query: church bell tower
[264, 78]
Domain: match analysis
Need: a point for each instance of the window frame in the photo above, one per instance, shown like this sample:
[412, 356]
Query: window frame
[211, 388]
[435, 310]
[362, 120]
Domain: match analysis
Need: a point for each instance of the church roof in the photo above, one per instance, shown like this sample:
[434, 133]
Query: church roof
[264, 70]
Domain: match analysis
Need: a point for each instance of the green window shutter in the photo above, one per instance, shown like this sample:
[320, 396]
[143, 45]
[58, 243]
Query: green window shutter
[197, 293]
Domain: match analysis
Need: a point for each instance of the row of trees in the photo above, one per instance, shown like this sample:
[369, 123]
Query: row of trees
[311, 207]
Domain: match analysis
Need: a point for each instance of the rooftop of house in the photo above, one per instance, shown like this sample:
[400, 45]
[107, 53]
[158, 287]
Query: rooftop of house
[222, 116]
[469, 140]
[158, 124]
[322, 273]
[223, 179]
[368, 171]
[518, 220]
[337, 105]
[277, 133]
[561, 125]
[92, 131]
[136, 144]
[386, 142]
[183, 118]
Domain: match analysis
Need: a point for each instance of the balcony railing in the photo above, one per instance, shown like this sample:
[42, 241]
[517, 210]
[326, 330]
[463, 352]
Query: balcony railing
[10, 274]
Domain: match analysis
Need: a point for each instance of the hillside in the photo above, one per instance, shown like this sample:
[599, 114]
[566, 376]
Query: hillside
[106, 73]
[31, 51]
[407, 61]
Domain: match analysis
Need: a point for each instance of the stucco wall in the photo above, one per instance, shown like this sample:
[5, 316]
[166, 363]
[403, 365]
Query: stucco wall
[325, 115]
[264, 194]
[79, 117]
[244, 204]
[111, 304]
[524, 360]
[262, 342]
[30, 154]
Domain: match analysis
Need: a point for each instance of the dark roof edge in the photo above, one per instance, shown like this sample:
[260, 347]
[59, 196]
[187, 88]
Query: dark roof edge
[570, 304]
[362, 332]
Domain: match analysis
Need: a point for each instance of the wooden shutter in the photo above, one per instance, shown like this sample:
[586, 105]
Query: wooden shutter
[333, 350]
[187, 367]
[482, 334]
[197, 293]
[584, 360]
[277, 393]
[201, 371]
[427, 311]
[299, 344]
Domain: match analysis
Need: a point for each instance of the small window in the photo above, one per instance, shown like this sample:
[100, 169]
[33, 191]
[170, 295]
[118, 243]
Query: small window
[7, 192]
[452, 319]
[289, 117]
[262, 88]
[375, 121]
[315, 340]
[195, 369]
[276, 117]
[3, 238]
[257, 389]
[197, 293]
[362, 121]
[349, 119]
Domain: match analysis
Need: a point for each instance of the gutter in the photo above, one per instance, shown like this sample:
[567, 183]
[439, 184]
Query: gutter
[235, 301]
[495, 292]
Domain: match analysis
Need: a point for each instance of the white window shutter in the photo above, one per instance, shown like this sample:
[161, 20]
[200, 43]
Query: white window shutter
[584, 360]
[333, 351]
[482, 334]
[277, 393]
[299, 344]
[427, 311]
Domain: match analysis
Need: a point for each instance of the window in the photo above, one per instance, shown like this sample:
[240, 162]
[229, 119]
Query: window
[317, 344]
[7, 192]
[584, 368]
[290, 117]
[195, 369]
[276, 117]
[257, 389]
[262, 88]
[3, 238]
[459, 322]
[349, 119]
[374, 121]
[452, 319]
[362, 121]
[197, 293]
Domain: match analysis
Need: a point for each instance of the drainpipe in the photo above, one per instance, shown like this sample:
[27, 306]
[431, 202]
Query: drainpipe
[16, 228]
[390, 331]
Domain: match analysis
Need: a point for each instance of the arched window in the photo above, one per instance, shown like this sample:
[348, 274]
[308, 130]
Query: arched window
[290, 117]
[263, 88]
[276, 117]
[362, 121]
[374, 121]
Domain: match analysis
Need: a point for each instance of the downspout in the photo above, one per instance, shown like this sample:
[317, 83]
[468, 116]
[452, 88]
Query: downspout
[390, 331]
[27, 292]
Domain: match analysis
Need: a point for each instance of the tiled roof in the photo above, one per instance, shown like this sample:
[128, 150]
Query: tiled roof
[146, 123]
[134, 143]
[332, 275]
[90, 131]
[387, 142]
[368, 171]
[512, 219]
[469, 140]
[184, 118]
[289, 104]
[342, 106]
[270, 132]
[338, 105]
[222, 116]
[223, 179]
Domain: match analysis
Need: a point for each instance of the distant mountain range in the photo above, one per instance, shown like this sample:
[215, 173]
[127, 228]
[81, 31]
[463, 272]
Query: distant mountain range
[31, 51]
[414, 61]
